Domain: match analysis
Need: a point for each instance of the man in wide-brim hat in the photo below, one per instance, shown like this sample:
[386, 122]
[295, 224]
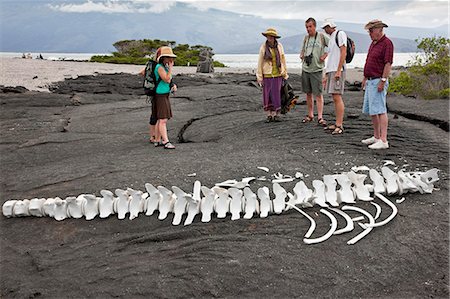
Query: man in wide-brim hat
[375, 83]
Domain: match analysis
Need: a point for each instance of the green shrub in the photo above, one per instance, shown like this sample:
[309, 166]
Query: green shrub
[428, 74]
[138, 51]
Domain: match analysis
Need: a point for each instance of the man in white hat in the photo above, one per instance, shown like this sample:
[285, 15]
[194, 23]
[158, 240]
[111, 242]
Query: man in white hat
[375, 83]
[335, 72]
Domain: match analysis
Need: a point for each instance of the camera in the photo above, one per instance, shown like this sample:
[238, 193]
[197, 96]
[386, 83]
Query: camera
[308, 59]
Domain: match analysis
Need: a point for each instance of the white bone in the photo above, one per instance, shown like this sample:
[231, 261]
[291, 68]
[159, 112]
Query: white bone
[312, 226]
[328, 234]
[228, 183]
[330, 190]
[278, 175]
[180, 205]
[430, 176]
[136, 203]
[75, 206]
[292, 199]
[36, 206]
[8, 208]
[406, 183]
[90, 206]
[303, 195]
[106, 204]
[378, 212]
[299, 175]
[391, 178]
[248, 180]
[207, 203]
[263, 168]
[166, 202]
[279, 202]
[348, 227]
[359, 218]
[153, 199]
[388, 162]
[319, 193]
[144, 201]
[362, 193]
[285, 180]
[60, 209]
[378, 181]
[360, 168]
[385, 221]
[222, 204]
[235, 203]
[123, 203]
[265, 202]
[49, 207]
[421, 185]
[251, 203]
[366, 231]
[193, 208]
[345, 193]
[400, 200]
[192, 174]
[21, 208]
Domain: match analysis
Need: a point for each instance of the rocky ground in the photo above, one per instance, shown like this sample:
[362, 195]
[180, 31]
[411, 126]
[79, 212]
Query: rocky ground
[90, 133]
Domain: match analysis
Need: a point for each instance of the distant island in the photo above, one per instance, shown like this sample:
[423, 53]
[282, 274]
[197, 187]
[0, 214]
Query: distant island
[140, 51]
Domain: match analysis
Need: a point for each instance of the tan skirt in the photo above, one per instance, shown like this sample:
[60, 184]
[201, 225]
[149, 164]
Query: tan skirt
[161, 106]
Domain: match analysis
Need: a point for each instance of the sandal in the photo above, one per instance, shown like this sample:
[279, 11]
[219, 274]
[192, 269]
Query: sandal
[338, 130]
[322, 122]
[168, 145]
[158, 143]
[269, 119]
[330, 127]
[276, 119]
[308, 119]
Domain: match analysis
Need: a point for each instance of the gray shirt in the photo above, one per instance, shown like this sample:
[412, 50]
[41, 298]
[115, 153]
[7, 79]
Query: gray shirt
[315, 45]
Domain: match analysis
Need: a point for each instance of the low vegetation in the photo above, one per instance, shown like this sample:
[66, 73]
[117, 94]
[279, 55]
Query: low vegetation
[139, 51]
[428, 74]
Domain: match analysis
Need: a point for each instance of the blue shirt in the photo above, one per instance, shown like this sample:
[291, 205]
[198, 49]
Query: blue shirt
[163, 87]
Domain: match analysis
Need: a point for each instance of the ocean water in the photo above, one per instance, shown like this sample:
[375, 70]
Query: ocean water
[230, 60]
[293, 60]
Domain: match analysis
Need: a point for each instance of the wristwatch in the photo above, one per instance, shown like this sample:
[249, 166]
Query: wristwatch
[383, 79]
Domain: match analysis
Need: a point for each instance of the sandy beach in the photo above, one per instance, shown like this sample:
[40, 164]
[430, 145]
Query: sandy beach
[38, 75]
[82, 127]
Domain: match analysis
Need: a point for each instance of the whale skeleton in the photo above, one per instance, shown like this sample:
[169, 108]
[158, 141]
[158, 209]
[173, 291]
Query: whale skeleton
[345, 188]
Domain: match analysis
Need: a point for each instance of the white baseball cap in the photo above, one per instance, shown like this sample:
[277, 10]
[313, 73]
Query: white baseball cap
[328, 22]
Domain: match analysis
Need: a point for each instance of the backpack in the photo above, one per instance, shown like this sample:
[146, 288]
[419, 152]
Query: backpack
[350, 48]
[150, 84]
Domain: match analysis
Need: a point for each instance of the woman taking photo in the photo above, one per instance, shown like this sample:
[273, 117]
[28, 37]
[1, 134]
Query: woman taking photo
[270, 74]
[161, 109]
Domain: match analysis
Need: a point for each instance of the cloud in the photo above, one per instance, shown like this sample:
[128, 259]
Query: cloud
[417, 13]
[115, 6]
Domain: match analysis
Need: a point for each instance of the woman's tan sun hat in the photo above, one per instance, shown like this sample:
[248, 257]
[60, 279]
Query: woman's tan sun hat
[165, 52]
[375, 24]
[271, 32]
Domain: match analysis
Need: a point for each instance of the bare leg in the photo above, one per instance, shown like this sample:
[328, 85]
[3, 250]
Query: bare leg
[319, 100]
[153, 133]
[310, 104]
[162, 123]
[376, 126]
[339, 108]
[157, 132]
[383, 120]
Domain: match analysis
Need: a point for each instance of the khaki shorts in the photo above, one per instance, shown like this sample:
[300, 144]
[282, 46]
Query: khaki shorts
[334, 87]
[312, 83]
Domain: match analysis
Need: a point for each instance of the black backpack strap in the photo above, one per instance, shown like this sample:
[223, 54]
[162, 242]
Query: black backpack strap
[337, 35]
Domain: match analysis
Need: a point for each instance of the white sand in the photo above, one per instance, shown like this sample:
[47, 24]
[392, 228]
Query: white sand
[35, 74]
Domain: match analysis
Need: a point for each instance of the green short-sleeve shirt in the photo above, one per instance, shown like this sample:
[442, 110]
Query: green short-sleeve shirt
[163, 87]
[316, 46]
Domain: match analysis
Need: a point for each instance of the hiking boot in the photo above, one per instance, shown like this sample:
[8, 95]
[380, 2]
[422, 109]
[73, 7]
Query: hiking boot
[370, 140]
[379, 145]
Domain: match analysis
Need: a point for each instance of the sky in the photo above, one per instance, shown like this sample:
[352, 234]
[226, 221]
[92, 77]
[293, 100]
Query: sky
[418, 13]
